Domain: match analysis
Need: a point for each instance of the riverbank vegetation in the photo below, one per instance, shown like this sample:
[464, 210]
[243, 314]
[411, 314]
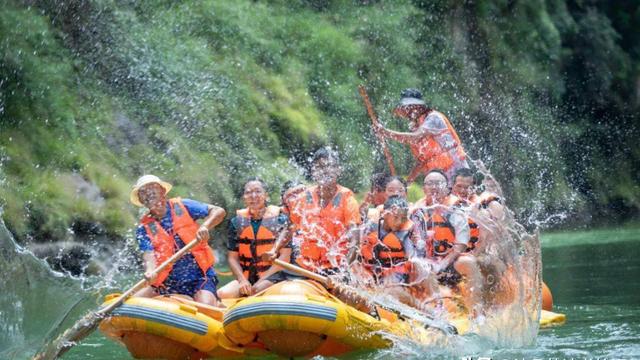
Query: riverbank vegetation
[206, 93]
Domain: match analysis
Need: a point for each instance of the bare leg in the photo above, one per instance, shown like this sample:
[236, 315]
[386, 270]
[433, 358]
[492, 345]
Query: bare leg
[147, 292]
[206, 297]
[229, 291]
[468, 267]
[402, 294]
[261, 285]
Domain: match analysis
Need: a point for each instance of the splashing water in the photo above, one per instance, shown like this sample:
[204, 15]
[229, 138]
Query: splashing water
[507, 315]
[26, 282]
[39, 303]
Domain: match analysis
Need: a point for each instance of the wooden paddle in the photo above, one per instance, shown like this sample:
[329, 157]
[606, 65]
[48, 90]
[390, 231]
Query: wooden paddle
[87, 324]
[447, 329]
[374, 121]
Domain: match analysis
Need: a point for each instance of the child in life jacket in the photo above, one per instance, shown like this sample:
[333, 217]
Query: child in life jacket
[387, 245]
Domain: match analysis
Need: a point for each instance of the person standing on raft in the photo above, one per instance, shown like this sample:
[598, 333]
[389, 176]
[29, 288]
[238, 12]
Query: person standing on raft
[168, 226]
[433, 140]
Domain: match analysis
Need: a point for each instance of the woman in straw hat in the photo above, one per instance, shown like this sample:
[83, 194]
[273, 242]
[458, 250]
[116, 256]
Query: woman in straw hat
[167, 227]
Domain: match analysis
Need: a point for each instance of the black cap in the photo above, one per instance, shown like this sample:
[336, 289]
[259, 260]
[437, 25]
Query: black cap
[411, 97]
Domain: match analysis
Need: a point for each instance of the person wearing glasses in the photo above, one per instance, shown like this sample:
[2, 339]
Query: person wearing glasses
[446, 233]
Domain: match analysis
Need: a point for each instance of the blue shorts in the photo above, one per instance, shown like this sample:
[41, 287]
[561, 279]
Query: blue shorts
[190, 288]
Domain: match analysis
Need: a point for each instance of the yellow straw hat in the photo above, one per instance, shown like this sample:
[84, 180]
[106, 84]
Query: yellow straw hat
[145, 180]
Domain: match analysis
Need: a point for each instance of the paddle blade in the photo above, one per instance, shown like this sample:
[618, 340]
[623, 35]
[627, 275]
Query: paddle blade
[80, 330]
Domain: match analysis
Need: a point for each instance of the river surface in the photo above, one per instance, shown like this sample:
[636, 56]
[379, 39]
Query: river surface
[595, 282]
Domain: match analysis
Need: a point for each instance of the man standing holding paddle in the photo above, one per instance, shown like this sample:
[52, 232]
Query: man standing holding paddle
[433, 140]
[165, 229]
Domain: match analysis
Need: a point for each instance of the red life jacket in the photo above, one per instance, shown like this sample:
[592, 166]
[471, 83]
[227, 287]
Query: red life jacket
[164, 245]
[431, 154]
[252, 245]
[384, 251]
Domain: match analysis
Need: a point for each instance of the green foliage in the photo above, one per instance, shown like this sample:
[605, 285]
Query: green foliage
[208, 93]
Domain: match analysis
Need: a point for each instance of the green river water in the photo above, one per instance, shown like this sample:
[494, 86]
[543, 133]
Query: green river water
[594, 276]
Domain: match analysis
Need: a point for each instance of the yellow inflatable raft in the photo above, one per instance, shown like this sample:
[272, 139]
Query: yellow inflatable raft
[291, 318]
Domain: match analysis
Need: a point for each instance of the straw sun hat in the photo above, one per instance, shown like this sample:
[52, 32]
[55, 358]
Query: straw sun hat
[146, 180]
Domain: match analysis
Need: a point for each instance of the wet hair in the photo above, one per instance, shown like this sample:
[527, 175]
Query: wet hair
[464, 172]
[396, 201]
[288, 185]
[255, 178]
[325, 152]
[439, 171]
[394, 178]
[379, 181]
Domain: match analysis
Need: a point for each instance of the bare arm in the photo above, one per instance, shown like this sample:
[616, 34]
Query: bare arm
[451, 256]
[403, 137]
[234, 265]
[285, 255]
[433, 125]
[215, 217]
[283, 239]
[353, 239]
[149, 260]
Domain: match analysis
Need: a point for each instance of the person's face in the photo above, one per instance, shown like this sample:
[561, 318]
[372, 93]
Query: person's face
[379, 197]
[435, 187]
[462, 188]
[394, 218]
[254, 196]
[395, 188]
[290, 196]
[325, 172]
[152, 196]
[409, 112]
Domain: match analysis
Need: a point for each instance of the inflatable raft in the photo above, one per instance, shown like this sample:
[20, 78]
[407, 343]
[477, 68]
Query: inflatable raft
[291, 318]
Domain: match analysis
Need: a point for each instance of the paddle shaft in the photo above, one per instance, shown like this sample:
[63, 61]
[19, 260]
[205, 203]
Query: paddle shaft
[304, 272]
[374, 120]
[447, 329]
[142, 283]
[83, 327]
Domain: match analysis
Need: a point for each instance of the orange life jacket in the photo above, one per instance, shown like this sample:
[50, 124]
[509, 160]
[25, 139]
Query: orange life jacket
[384, 251]
[319, 230]
[474, 229]
[164, 245]
[431, 154]
[252, 245]
[474, 235]
[444, 236]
